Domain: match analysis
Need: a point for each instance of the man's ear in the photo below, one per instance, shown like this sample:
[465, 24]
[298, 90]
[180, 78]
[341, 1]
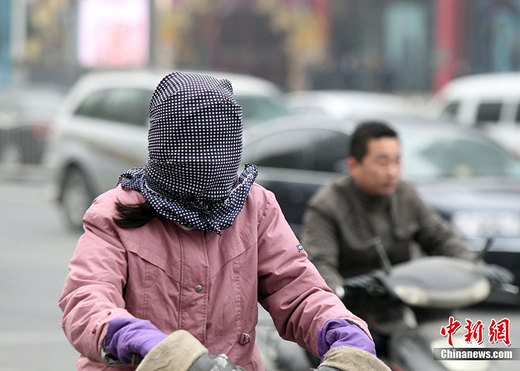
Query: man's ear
[352, 164]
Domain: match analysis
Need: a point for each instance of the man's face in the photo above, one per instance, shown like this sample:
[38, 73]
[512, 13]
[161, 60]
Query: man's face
[379, 171]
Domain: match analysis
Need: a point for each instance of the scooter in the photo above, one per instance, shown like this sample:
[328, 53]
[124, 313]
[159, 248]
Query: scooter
[408, 304]
[417, 298]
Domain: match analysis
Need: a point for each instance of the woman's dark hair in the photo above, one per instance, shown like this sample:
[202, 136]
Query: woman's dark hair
[134, 215]
[366, 131]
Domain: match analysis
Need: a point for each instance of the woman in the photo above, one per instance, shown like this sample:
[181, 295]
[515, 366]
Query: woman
[185, 247]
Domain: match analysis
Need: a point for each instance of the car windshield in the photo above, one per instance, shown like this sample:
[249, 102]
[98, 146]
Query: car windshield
[260, 108]
[433, 154]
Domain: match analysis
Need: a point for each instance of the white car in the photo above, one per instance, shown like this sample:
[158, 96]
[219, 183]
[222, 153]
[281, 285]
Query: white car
[490, 101]
[481, 98]
[101, 130]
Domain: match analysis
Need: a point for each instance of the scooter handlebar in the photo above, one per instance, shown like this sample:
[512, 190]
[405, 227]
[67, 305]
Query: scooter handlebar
[372, 283]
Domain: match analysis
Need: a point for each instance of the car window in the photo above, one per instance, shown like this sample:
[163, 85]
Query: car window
[444, 156]
[489, 112]
[260, 108]
[330, 152]
[287, 149]
[451, 110]
[126, 105]
[92, 104]
[517, 116]
[118, 105]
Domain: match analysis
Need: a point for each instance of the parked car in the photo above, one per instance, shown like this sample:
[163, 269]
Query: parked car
[348, 103]
[26, 116]
[470, 180]
[101, 130]
[490, 101]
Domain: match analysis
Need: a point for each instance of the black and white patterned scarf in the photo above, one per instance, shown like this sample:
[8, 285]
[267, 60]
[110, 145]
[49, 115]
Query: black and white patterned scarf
[194, 151]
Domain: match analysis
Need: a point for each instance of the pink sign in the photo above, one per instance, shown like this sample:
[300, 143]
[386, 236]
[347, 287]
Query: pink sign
[113, 33]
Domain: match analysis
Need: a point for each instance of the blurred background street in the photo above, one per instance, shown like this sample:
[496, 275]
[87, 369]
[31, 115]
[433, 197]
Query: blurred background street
[35, 249]
[76, 77]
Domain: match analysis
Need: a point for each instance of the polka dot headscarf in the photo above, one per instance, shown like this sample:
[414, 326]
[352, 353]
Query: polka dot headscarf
[194, 150]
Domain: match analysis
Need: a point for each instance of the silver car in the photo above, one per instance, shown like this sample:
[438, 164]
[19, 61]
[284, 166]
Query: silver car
[101, 130]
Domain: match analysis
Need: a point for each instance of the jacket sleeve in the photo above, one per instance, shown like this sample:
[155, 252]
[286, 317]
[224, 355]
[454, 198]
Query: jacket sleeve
[435, 235]
[92, 294]
[322, 244]
[290, 287]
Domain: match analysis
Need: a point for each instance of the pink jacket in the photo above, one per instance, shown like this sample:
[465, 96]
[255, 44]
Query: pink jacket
[201, 282]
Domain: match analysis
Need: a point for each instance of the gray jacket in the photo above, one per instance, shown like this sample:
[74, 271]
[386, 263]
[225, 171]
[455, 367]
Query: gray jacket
[341, 221]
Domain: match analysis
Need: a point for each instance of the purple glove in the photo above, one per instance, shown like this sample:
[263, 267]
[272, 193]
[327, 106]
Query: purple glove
[126, 336]
[339, 332]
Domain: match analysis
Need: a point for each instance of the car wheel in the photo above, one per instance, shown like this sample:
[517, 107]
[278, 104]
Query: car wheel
[75, 197]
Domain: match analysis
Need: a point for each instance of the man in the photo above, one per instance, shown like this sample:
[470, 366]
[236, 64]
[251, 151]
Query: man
[343, 219]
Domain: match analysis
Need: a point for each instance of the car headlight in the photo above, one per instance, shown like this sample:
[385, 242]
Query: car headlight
[478, 223]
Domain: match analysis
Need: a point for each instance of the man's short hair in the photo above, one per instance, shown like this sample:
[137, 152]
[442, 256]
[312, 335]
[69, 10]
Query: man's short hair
[366, 131]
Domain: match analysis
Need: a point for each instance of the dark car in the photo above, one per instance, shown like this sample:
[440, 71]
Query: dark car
[470, 180]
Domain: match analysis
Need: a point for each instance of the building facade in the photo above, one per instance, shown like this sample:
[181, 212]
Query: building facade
[403, 46]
